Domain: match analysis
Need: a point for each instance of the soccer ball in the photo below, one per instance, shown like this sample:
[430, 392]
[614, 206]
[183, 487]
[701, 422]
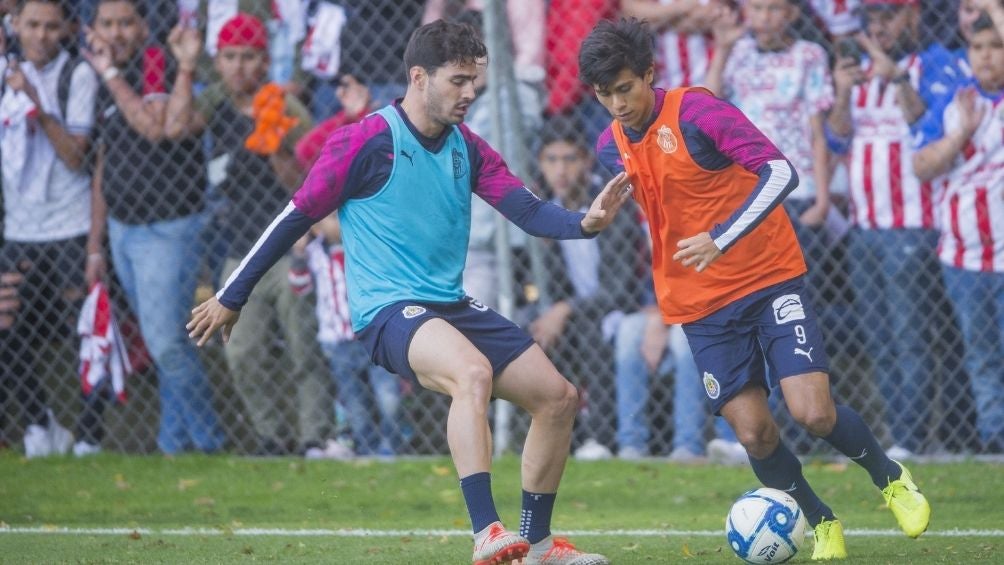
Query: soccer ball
[765, 526]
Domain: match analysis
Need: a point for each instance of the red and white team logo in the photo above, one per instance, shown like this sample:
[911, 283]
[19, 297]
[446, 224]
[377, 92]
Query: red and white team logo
[667, 141]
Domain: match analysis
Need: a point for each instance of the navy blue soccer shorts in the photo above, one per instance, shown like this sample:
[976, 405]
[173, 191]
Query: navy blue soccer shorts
[775, 327]
[388, 336]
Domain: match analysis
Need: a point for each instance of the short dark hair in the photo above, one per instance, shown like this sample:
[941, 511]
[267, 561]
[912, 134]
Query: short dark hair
[983, 23]
[61, 4]
[440, 43]
[562, 128]
[139, 5]
[613, 46]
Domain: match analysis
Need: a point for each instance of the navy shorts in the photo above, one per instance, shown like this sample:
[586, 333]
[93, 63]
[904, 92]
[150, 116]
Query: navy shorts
[388, 336]
[775, 328]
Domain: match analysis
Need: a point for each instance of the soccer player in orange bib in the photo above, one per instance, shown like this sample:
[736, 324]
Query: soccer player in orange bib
[727, 266]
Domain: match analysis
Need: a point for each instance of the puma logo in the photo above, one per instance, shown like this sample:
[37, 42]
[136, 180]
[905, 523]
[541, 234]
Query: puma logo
[410, 157]
[808, 354]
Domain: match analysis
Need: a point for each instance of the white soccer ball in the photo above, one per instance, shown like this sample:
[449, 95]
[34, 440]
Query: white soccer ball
[765, 526]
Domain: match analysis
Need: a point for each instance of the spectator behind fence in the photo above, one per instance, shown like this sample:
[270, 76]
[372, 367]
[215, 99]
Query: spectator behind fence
[373, 41]
[645, 347]
[285, 20]
[568, 22]
[590, 285]
[405, 253]
[152, 188]
[258, 186]
[783, 85]
[355, 102]
[971, 220]
[481, 276]
[684, 44]
[369, 395]
[893, 268]
[46, 119]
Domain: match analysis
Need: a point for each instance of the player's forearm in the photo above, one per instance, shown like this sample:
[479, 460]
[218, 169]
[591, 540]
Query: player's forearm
[777, 179]
[539, 218]
[278, 237]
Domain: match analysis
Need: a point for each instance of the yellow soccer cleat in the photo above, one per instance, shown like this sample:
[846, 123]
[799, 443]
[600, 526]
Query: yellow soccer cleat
[829, 541]
[908, 505]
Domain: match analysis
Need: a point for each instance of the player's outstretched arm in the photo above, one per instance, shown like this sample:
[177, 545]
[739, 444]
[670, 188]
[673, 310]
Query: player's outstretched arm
[606, 204]
[209, 317]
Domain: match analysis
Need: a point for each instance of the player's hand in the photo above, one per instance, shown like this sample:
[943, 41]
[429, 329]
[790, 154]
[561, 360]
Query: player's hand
[209, 317]
[699, 251]
[604, 208]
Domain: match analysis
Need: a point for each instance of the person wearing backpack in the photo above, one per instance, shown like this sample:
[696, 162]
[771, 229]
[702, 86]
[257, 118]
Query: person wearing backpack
[44, 140]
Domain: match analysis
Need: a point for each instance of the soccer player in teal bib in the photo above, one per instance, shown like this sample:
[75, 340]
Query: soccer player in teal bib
[402, 181]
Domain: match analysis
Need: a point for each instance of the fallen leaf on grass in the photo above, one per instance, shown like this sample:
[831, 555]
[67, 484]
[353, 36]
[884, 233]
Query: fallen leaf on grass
[185, 484]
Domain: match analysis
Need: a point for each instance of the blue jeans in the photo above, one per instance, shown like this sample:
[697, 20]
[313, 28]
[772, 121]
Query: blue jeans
[690, 407]
[157, 266]
[361, 387]
[979, 309]
[896, 280]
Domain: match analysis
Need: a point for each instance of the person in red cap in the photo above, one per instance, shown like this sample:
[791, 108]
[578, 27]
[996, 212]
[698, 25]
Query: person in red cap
[258, 186]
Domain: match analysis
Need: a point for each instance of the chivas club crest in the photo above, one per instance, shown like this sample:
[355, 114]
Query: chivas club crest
[459, 164]
[667, 141]
[412, 311]
[711, 385]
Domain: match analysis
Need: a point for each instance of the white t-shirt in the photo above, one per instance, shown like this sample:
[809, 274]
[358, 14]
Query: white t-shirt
[44, 200]
[779, 92]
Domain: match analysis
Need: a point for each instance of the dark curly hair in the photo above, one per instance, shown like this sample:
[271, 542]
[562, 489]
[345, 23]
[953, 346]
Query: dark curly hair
[440, 43]
[613, 46]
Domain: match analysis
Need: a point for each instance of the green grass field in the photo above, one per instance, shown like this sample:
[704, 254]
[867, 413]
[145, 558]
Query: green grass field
[205, 509]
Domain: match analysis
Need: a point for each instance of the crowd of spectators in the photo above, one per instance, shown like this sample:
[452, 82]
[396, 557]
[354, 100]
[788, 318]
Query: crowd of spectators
[147, 143]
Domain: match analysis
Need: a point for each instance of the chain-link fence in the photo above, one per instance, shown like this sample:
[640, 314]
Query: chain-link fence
[151, 103]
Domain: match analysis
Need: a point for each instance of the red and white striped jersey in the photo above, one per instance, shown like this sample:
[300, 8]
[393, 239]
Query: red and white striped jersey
[971, 211]
[681, 59]
[885, 194]
[334, 325]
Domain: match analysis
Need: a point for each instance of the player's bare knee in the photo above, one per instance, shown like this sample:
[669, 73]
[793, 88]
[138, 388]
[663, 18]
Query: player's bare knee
[759, 439]
[560, 405]
[817, 421]
[474, 382]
